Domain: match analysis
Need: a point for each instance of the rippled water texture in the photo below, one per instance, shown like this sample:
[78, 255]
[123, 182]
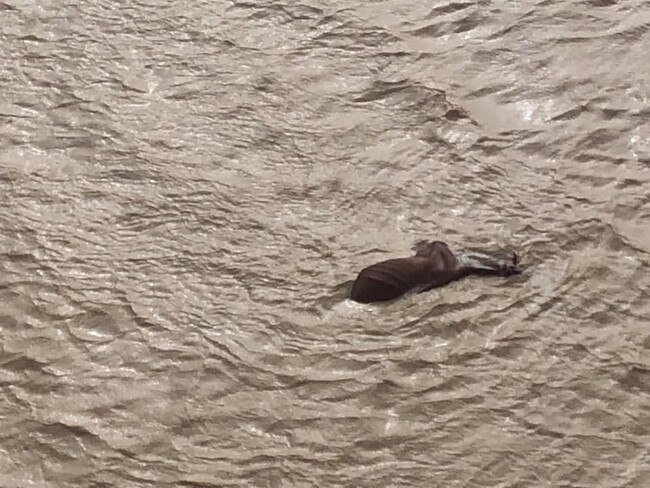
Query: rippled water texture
[186, 190]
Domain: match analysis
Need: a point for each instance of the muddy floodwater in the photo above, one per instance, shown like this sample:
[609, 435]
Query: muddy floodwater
[187, 189]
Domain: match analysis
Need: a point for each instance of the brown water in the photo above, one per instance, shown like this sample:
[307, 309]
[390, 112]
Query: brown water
[186, 189]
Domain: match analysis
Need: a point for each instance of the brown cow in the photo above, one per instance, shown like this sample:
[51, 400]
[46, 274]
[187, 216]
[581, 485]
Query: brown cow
[432, 266]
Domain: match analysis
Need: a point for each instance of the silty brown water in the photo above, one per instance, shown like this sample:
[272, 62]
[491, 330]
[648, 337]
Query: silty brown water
[186, 189]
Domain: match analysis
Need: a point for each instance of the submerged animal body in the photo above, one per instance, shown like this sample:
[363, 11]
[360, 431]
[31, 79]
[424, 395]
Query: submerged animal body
[433, 265]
